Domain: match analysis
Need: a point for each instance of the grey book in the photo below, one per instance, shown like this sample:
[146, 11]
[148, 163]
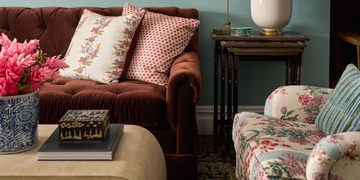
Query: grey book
[99, 150]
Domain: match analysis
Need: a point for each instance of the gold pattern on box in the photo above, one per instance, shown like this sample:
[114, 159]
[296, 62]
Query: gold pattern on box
[84, 124]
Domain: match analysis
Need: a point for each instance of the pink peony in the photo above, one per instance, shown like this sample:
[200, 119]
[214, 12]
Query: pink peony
[40, 74]
[12, 89]
[29, 48]
[35, 55]
[5, 41]
[25, 61]
[3, 87]
[14, 48]
[20, 61]
[56, 75]
[12, 77]
[2, 66]
[24, 67]
[56, 63]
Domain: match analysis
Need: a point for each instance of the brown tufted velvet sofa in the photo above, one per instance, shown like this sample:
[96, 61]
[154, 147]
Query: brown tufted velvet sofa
[169, 113]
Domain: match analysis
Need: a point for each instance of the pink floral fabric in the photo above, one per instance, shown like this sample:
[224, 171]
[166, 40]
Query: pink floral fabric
[268, 148]
[337, 156]
[102, 46]
[287, 146]
[305, 104]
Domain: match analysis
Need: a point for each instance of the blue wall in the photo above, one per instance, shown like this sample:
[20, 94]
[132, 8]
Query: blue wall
[257, 79]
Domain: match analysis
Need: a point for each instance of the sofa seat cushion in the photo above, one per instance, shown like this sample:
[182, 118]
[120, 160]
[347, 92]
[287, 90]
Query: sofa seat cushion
[129, 102]
[269, 148]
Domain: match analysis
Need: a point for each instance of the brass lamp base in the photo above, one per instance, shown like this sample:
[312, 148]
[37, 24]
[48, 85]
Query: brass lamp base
[221, 31]
[271, 33]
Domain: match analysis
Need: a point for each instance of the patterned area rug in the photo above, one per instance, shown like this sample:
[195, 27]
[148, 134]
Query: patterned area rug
[210, 165]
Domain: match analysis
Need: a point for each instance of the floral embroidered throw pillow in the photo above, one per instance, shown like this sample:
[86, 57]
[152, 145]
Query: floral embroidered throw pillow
[161, 38]
[101, 47]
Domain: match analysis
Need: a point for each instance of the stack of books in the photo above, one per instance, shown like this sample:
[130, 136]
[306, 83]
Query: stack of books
[73, 148]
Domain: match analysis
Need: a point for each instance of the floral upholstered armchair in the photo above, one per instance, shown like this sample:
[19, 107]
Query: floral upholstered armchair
[289, 141]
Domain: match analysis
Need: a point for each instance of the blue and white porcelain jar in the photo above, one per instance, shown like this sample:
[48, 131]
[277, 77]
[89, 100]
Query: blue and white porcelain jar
[19, 119]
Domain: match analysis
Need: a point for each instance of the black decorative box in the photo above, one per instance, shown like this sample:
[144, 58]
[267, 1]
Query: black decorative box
[84, 125]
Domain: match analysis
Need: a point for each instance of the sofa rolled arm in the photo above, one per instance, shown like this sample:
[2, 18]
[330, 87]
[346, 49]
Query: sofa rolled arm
[184, 85]
[297, 102]
[332, 154]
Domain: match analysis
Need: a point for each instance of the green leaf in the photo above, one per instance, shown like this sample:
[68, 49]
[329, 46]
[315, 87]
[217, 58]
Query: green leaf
[49, 80]
[311, 92]
[292, 118]
[296, 125]
[290, 112]
[255, 131]
[23, 88]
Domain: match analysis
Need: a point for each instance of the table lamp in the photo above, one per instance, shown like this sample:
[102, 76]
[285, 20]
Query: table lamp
[224, 31]
[271, 15]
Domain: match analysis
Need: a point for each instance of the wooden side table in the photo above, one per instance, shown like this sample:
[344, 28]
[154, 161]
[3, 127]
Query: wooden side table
[230, 50]
[350, 37]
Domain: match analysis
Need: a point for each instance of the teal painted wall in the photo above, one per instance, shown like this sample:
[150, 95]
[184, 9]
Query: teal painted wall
[256, 79]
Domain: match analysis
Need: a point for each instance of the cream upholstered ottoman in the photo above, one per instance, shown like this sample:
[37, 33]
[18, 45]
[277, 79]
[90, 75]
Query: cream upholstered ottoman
[138, 157]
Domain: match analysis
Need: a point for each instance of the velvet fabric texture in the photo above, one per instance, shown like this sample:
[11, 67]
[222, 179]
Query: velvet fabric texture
[169, 113]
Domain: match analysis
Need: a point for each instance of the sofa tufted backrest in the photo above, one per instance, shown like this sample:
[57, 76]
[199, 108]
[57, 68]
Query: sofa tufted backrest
[55, 26]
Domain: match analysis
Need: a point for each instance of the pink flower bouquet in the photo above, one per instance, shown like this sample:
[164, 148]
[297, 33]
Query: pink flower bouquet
[24, 67]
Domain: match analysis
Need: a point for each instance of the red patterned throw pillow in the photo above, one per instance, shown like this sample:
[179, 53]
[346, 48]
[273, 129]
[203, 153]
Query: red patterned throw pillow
[161, 38]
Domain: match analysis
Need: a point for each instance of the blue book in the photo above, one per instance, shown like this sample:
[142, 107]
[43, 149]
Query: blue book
[92, 150]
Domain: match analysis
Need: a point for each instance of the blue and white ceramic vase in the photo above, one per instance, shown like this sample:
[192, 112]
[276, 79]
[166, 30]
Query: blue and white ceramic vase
[19, 119]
